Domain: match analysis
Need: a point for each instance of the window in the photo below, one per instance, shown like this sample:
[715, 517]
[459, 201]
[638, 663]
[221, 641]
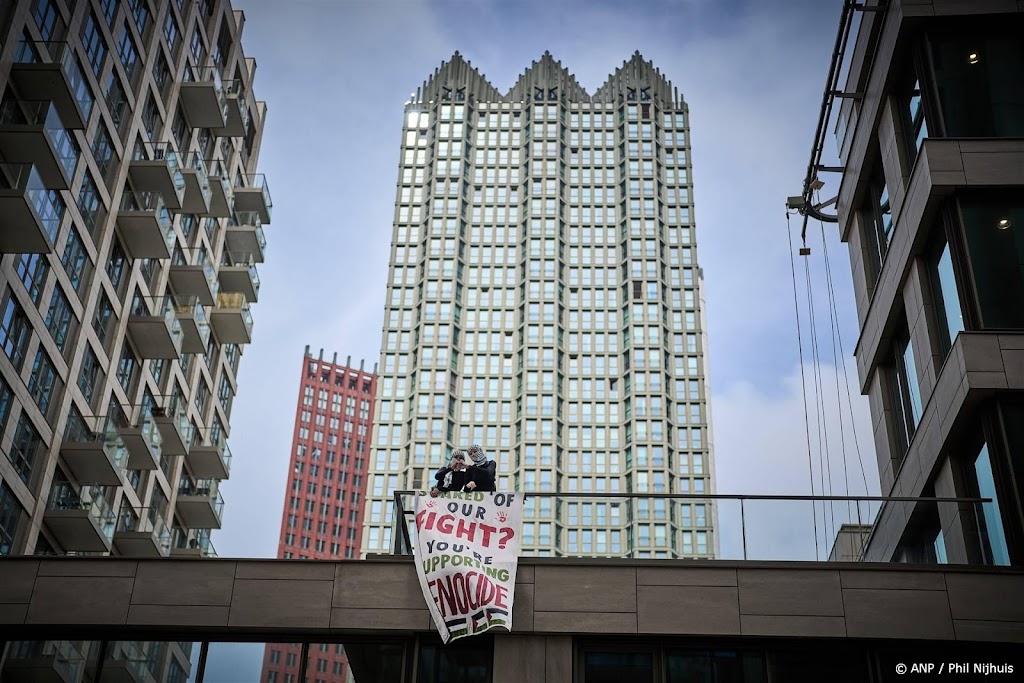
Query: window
[196, 46]
[992, 226]
[102, 152]
[89, 203]
[979, 80]
[127, 52]
[946, 293]
[906, 394]
[42, 381]
[126, 369]
[58, 318]
[140, 12]
[45, 15]
[991, 523]
[92, 41]
[75, 260]
[116, 100]
[109, 9]
[917, 126]
[10, 517]
[88, 378]
[14, 332]
[117, 265]
[32, 270]
[23, 451]
[877, 224]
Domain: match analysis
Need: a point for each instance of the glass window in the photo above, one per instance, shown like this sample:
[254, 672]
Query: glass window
[109, 9]
[117, 265]
[126, 51]
[32, 270]
[171, 34]
[991, 522]
[15, 332]
[92, 41]
[90, 374]
[877, 224]
[917, 126]
[126, 369]
[906, 394]
[996, 248]
[59, 317]
[102, 152]
[23, 451]
[979, 78]
[10, 516]
[75, 260]
[103, 318]
[45, 14]
[42, 381]
[614, 667]
[947, 297]
[463, 661]
[719, 666]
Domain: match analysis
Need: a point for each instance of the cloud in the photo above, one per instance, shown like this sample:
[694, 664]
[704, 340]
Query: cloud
[761, 448]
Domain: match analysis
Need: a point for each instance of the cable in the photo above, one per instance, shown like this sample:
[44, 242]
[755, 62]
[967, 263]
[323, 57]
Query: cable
[819, 402]
[803, 382]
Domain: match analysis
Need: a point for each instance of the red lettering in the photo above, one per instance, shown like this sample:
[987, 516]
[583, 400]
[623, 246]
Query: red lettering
[466, 531]
[472, 599]
[486, 531]
[429, 520]
[459, 589]
[445, 595]
[499, 600]
[444, 525]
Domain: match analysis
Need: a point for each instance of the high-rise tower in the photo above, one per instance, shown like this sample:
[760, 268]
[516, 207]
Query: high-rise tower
[544, 300]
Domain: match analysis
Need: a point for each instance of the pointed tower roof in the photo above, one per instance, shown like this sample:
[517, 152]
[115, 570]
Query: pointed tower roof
[456, 80]
[638, 80]
[547, 74]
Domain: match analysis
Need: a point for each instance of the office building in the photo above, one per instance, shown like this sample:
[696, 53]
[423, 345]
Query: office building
[544, 301]
[930, 205]
[132, 226]
[323, 504]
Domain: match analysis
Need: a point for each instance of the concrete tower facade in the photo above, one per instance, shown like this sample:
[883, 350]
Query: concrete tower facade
[544, 300]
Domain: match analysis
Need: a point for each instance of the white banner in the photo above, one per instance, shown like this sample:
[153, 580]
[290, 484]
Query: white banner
[466, 549]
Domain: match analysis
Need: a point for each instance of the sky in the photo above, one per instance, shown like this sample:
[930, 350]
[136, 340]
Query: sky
[335, 75]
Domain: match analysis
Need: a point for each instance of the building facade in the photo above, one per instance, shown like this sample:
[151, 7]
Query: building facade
[132, 226]
[930, 205]
[544, 301]
[322, 517]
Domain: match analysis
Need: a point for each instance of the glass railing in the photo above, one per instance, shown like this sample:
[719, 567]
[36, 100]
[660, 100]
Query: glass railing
[191, 307]
[211, 75]
[47, 203]
[151, 202]
[43, 113]
[193, 539]
[159, 307]
[148, 520]
[236, 88]
[92, 499]
[225, 457]
[243, 259]
[68, 661]
[259, 181]
[699, 526]
[162, 151]
[204, 488]
[195, 162]
[33, 51]
[236, 301]
[210, 272]
[108, 436]
[246, 218]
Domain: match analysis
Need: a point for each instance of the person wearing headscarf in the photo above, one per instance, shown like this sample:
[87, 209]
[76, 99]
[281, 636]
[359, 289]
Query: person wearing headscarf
[483, 469]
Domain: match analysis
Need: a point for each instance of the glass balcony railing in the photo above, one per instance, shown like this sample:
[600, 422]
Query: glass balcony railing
[152, 203]
[91, 499]
[704, 526]
[128, 655]
[209, 75]
[24, 178]
[62, 53]
[192, 315]
[195, 540]
[148, 520]
[236, 260]
[108, 437]
[203, 488]
[261, 202]
[236, 89]
[195, 162]
[43, 113]
[162, 151]
[159, 307]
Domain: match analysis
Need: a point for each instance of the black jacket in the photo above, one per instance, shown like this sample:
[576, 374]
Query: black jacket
[478, 475]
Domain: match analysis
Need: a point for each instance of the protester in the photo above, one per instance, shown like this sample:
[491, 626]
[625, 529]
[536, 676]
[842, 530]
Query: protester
[456, 476]
[485, 479]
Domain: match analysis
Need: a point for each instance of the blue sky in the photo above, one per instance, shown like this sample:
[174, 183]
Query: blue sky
[335, 75]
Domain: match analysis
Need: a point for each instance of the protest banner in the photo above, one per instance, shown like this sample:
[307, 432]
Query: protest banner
[466, 549]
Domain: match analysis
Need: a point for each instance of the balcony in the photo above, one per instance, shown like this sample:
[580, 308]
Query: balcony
[199, 504]
[231, 318]
[191, 543]
[31, 131]
[210, 461]
[99, 457]
[50, 71]
[44, 661]
[175, 427]
[157, 168]
[237, 112]
[145, 224]
[254, 195]
[31, 212]
[199, 280]
[245, 235]
[202, 97]
[80, 520]
[143, 534]
[153, 327]
[197, 186]
[126, 662]
[143, 441]
[222, 194]
[238, 274]
[195, 327]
